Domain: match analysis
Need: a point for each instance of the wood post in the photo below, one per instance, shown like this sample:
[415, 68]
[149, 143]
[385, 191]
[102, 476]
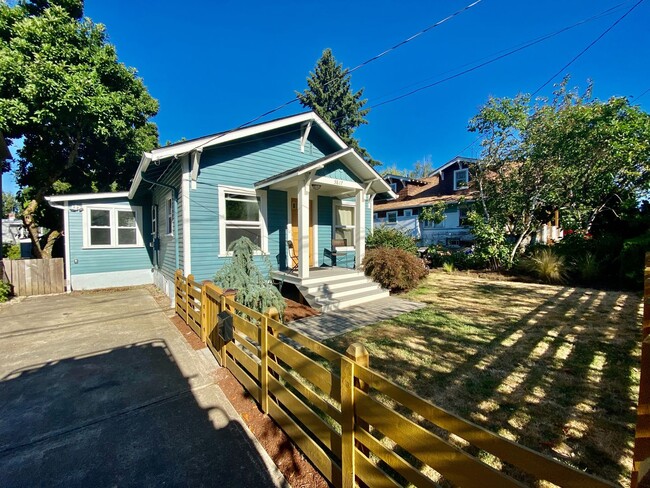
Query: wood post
[204, 313]
[264, 358]
[187, 298]
[358, 355]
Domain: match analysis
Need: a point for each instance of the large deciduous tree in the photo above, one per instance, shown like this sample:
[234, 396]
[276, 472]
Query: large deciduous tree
[82, 115]
[330, 95]
[573, 153]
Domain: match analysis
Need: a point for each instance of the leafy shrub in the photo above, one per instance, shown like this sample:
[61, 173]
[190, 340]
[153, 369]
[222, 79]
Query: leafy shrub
[5, 291]
[461, 258]
[254, 290]
[491, 247]
[546, 265]
[393, 238]
[395, 269]
[632, 260]
[10, 251]
[448, 267]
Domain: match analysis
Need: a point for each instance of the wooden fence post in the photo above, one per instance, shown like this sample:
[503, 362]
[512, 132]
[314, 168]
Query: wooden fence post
[347, 423]
[177, 284]
[187, 298]
[264, 358]
[358, 353]
[204, 313]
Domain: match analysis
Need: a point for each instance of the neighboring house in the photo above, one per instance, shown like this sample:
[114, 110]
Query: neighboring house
[13, 230]
[288, 179]
[449, 184]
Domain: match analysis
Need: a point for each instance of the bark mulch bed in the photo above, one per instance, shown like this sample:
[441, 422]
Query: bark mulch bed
[295, 311]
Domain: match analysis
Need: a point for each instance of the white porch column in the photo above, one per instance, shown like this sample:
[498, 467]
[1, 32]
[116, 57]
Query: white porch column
[360, 227]
[303, 229]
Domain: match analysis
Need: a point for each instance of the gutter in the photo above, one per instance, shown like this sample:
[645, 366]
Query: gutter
[66, 240]
[175, 195]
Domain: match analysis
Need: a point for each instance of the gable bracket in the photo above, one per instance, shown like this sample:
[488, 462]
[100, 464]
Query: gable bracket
[195, 160]
[305, 135]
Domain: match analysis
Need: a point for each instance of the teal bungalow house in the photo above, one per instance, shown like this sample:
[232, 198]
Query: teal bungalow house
[291, 185]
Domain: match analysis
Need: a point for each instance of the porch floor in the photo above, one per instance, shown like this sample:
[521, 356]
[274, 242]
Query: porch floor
[316, 274]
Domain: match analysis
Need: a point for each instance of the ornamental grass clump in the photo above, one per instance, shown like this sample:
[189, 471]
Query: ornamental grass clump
[254, 289]
[395, 269]
[546, 265]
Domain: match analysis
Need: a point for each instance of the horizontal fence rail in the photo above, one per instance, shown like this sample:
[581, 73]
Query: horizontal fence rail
[353, 424]
[35, 276]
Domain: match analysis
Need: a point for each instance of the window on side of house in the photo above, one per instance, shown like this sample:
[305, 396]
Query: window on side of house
[112, 227]
[344, 223]
[393, 186]
[242, 218]
[169, 216]
[408, 213]
[391, 217]
[154, 220]
[462, 217]
[461, 179]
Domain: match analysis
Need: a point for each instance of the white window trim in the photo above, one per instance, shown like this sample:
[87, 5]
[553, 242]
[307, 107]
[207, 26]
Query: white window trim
[169, 213]
[154, 219]
[458, 171]
[388, 218]
[341, 203]
[262, 195]
[113, 209]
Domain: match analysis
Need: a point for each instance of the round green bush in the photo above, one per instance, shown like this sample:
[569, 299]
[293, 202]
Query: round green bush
[395, 269]
[393, 238]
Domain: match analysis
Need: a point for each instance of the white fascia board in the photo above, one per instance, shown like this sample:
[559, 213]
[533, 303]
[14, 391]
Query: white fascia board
[86, 196]
[370, 175]
[137, 179]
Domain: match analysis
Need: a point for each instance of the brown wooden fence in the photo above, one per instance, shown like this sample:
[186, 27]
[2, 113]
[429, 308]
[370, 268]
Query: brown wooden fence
[350, 421]
[35, 276]
[641, 458]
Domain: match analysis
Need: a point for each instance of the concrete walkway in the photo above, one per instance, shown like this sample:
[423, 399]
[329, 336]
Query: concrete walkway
[100, 389]
[331, 324]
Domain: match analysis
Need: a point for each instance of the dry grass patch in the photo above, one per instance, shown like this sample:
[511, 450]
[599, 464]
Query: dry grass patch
[554, 368]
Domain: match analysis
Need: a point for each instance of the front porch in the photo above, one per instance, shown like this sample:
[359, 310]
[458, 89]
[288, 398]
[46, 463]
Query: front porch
[332, 288]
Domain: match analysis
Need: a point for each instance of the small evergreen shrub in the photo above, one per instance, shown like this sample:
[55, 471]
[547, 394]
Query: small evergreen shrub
[10, 251]
[395, 269]
[5, 291]
[389, 237]
[254, 289]
[545, 265]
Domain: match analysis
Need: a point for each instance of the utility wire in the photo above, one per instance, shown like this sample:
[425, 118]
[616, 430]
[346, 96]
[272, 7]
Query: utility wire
[636, 99]
[346, 72]
[575, 58]
[497, 58]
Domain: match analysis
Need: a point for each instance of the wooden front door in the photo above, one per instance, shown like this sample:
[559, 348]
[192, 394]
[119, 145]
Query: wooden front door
[294, 228]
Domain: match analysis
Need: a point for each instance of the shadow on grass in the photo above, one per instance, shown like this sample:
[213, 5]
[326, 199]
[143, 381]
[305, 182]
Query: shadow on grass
[557, 377]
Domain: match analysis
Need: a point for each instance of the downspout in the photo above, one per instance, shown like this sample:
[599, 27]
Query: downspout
[175, 195]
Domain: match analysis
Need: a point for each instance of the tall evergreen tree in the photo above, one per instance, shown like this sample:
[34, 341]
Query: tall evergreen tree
[330, 95]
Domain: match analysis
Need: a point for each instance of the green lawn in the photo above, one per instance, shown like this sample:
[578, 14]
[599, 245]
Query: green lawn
[554, 368]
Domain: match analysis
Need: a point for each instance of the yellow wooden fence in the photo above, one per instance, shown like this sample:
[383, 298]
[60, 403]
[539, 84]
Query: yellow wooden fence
[350, 421]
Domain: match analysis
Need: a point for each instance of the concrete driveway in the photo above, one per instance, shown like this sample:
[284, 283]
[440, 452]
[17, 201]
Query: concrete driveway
[100, 389]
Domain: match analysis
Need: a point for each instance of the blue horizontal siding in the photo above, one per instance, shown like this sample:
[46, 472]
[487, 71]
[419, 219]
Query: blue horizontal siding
[102, 260]
[338, 171]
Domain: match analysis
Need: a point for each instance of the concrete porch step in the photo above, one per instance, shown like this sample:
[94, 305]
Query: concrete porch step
[352, 281]
[343, 290]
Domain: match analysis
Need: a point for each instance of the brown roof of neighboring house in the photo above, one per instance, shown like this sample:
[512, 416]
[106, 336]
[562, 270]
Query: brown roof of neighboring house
[419, 196]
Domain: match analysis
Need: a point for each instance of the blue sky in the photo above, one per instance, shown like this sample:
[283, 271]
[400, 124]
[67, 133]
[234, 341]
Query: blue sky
[216, 65]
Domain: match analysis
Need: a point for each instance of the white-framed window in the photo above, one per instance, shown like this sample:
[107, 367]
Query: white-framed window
[344, 223]
[393, 186]
[461, 179]
[462, 217]
[391, 217]
[154, 220]
[169, 216]
[112, 226]
[241, 214]
[408, 212]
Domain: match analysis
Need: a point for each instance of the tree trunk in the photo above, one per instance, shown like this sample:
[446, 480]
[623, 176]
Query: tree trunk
[521, 238]
[32, 228]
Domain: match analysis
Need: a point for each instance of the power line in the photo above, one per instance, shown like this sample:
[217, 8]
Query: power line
[495, 59]
[636, 99]
[575, 58]
[345, 73]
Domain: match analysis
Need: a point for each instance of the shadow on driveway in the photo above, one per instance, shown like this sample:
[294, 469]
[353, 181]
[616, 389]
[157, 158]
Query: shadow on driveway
[120, 417]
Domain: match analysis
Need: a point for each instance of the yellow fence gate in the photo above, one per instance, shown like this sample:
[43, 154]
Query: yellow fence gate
[352, 423]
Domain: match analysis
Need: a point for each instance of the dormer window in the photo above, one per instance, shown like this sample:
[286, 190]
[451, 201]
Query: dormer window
[461, 179]
[393, 186]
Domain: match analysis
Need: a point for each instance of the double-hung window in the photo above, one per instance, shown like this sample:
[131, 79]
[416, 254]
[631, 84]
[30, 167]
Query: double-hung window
[391, 217]
[112, 227]
[241, 215]
[461, 179]
[344, 223]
